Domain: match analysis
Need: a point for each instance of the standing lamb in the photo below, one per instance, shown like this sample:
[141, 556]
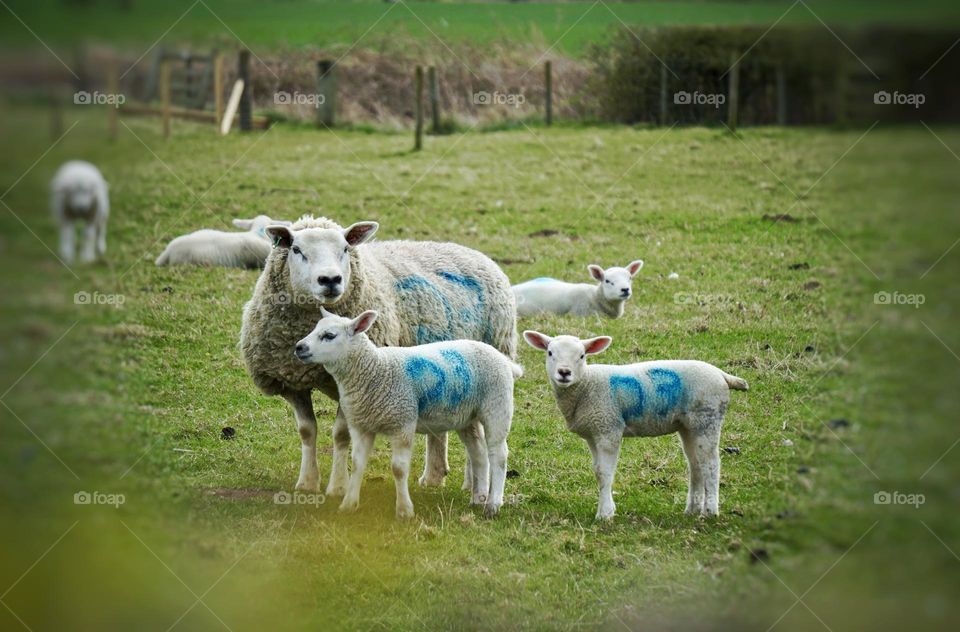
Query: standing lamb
[248, 249]
[78, 194]
[604, 403]
[615, 285]
[424, 292]
[399, 391]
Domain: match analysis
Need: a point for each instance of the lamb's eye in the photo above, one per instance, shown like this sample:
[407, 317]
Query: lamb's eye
[327, 336]
[296, 250]
[583, 355]
[346, 248]
[550, 353]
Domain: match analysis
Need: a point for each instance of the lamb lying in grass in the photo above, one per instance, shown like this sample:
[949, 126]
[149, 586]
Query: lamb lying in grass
[206, 247]
[604, 403]
[579, 299]
[78, 194]
[430, 388]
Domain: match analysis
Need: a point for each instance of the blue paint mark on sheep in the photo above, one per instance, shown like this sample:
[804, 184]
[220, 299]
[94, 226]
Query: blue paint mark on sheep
[541, 280]
[628, 394]
[668, 388]
[457, 323]
[438, 385]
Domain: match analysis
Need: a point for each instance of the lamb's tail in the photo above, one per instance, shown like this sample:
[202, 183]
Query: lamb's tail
[735, 383]
[164, 257]
[517, 369]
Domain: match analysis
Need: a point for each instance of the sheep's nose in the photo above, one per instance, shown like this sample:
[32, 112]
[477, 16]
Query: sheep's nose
[301, 348]
[625, 292]
[330, 281]
[563, 373]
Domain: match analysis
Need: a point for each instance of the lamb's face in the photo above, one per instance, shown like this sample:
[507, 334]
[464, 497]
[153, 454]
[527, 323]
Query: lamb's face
[616, 282]
[319, 258]
[566, 355]
[330, 340]
[258, 225]
[81, 197]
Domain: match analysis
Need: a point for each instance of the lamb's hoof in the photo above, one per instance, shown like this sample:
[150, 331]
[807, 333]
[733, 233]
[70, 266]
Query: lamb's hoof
[432, 480]
[490, 510]
[336, 490]
[692, 511]
[349, 506]
[405, 513]
[710, 513]
[307, 486]
[606, 515]
[480, 499]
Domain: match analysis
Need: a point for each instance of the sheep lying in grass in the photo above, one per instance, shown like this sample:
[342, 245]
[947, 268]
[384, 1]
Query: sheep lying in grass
[248, 249]
[604, 403]
[78, 194]
[399, 391]
[423, 291]
[579, 299]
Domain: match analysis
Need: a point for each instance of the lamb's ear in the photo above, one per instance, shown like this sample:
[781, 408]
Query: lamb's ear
[596, 345]
[280, 235]
[537, 340]
[356, 234]
[596, 272]
[363, 322]
[634, 266]
[243, 224]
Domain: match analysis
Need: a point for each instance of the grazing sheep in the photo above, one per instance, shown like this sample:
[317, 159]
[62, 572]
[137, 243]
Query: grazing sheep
[615, 285]
[423, 291]
[78, 194]
[399, 391]
[206, 247]
[604, 403]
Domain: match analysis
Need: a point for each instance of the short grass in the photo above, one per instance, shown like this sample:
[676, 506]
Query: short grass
[132, 399]
[565, 27]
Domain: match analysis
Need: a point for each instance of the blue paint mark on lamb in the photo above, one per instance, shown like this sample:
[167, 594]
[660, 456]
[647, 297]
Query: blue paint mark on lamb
[668, 389]
[628, 393]
[437, 385]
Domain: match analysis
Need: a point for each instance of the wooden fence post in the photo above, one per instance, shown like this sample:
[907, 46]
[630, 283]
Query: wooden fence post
[663, 94]
[418, 109]
[113, 88]
[548, 92]
[165, 96]
[434, 98]
[733, 96]
[246, 107]
[218, 90]
[327, 93]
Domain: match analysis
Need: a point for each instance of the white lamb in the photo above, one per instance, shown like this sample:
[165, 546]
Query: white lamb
[248, 249]
[430, 388]
[78, 194]
[615, 285]
[604, 403]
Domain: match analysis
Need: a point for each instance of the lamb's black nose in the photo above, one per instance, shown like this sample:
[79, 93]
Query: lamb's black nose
[624, 292]
[563, 372]
[329, 281]
[301, 348]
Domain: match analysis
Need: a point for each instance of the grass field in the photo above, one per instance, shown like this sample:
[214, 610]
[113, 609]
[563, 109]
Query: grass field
[132, 399]
[568, 27]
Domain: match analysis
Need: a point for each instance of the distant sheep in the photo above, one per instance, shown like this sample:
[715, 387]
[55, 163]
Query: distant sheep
[423, 291]
[399, 391]
[207, 247]
[615, 285]
[78, 195]
[604, 403]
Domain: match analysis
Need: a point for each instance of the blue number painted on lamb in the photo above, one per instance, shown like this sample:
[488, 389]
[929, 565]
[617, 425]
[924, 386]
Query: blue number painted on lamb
[633, 400]
[444, 386]
[416, 287]
[628, 394]
[668, 390]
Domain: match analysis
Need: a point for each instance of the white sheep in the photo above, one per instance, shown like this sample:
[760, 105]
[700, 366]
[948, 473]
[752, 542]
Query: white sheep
[544, 295]
[604, 403]
[248, 249]
[78, 195]
[423, 291]
[399, 391]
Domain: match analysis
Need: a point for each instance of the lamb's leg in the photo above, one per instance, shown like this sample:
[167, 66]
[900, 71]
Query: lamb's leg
[67, 240]
[88, 252]
[497, 455]
[477, 455]
[362, 446]
[307, 426]
[468, 468]
[339, 473]
[605, 455]
[101, 236]
[435, 466]
[402, 451]
[695, 491]
[708, 454]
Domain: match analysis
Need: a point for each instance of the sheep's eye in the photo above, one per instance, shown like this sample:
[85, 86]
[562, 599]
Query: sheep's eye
[296, 250]
[346, 248]
[328, 336]
[550, 353]
[583, 355]
[609, 282]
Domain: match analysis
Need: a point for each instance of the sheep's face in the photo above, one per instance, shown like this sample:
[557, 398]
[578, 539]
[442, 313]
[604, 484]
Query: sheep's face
[319, 258]
[258, 225]
[616, 283]
[566, 355]
[80, 198]
[330, 340]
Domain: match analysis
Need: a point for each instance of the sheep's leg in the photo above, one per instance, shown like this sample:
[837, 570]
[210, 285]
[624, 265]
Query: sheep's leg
[695, 490]
[497, 455]
[101, 236]
[477, 455]
[435, 466]
[468, 467]
[402, 451]
[362, 446]
[605, 455]
[68, 237]
[87, 252]
[307, 426]
[708, 455]
[339, 473]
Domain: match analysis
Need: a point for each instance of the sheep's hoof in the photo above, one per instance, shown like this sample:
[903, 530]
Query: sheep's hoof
[405, 513]
[304, 486]
[336, 490]
[432, 480]
[490, 510]
[692, 511]
[480, 499]
[349, 506]
[710, 513]
[606, 514]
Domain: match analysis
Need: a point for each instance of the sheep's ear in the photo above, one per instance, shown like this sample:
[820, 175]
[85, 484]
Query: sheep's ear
[243, 224]
[363, 322]
[596, 272]
[596, 345]
[356, 234]
[537, 340]
[280, 236]
[634, 266]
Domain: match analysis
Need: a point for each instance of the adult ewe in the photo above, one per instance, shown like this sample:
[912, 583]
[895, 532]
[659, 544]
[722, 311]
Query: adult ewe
[424, 292]
[248, 249]
[78, 194]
